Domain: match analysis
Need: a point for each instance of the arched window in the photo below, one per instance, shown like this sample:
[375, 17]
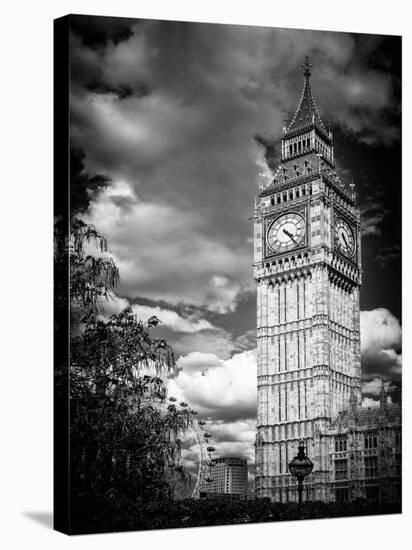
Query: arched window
[297, 193]
[272, 200]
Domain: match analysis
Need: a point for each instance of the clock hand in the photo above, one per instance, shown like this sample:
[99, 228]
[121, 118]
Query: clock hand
[286, 232]
[346, 242]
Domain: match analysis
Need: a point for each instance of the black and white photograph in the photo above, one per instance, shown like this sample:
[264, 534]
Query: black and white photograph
[227, 274]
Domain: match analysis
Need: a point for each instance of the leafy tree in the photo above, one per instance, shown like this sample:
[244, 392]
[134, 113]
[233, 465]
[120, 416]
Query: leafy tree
[122, 443]
[91, 277]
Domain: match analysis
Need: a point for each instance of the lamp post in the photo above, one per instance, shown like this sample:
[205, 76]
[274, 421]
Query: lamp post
[300, 467]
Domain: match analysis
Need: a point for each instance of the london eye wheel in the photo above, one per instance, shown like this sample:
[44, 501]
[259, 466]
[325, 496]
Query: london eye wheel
[202, 438]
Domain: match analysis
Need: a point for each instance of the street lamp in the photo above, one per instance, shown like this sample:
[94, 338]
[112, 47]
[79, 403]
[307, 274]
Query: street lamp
[300, 467]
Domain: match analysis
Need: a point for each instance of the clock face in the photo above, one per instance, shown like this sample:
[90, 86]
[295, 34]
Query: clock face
[286, 232]
[344, 238]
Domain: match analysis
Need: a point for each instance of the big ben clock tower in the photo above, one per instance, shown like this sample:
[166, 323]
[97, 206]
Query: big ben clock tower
[307, 271]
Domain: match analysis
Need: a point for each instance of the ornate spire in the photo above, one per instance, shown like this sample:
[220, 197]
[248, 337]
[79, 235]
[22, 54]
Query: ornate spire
[306, 113]
[383, 396]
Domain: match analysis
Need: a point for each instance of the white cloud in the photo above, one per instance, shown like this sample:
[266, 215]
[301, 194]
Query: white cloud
[217, 342]
[381, 340]
[395, 359]
[115, 305]
[168, 318]
[223, 294]
[192, 337]
[374, 386]
[223, 390]
[172, 320]
[241, 431]
[380, 330]
[369, 402]
[199, 362]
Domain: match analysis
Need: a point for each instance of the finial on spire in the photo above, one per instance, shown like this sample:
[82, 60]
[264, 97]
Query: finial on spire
[306, 66]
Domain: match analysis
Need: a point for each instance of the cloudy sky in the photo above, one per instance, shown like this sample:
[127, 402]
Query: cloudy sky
[171, 124]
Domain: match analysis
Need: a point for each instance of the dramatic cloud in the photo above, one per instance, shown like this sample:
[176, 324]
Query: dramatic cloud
[369, 402]
[180, 121]
[188, 332]
[381, 340]
[218, 342]
[169, 111]
[219, 389]
[374, 386]
[387, 255]
[199, 362]
[379, 330]
[163, 253]
[173, 320]
[372, 216]
[246, 341]
[168, 318]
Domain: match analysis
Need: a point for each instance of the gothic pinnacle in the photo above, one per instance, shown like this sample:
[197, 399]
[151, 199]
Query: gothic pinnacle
[306, 66]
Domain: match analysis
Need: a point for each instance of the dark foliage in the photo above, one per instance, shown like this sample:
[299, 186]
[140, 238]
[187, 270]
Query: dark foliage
[82, 185]
[123, 514]
[91, 277]
[124, 438]
[97, 31]
[122, 444]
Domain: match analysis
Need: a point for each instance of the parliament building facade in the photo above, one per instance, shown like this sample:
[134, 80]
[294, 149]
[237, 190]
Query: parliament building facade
[307, 268]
